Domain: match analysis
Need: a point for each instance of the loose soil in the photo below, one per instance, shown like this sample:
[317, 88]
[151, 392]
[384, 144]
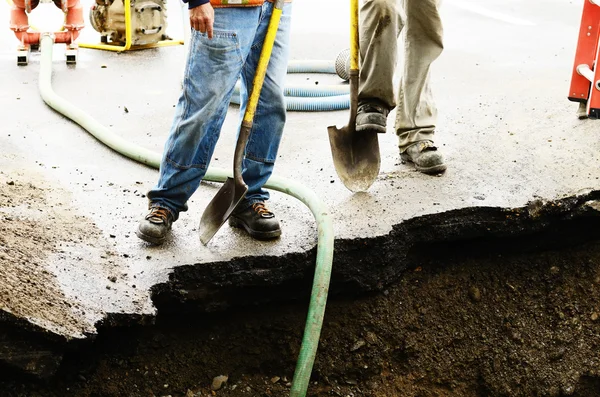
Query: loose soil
[45, 244]
[32, 227]
[493, 322]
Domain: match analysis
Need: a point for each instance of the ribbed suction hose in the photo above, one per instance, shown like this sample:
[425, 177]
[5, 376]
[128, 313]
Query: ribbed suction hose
[311, 98]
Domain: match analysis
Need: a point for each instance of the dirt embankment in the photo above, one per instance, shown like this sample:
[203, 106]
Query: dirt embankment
[490, 323]
[45, 274]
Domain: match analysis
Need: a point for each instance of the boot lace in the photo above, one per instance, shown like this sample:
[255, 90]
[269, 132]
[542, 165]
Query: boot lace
[158, 214]
[262, 210]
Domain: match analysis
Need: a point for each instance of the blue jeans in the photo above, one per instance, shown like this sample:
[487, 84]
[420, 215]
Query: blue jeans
[212, 69]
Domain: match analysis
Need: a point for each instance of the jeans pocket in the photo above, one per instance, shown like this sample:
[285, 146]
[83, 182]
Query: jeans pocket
[224, 43]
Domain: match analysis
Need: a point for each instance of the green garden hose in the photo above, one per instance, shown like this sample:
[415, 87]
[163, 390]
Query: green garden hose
[320, 289]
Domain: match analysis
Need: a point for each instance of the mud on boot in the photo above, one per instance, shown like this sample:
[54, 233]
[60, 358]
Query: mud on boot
[258, 221]
[371, 116]
[155, 226]
[425, 156]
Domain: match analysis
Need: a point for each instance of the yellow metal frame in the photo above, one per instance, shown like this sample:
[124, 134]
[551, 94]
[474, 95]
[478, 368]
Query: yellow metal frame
[128, 45]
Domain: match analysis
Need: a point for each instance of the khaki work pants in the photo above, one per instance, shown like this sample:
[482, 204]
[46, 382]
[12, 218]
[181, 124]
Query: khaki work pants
[381, 24]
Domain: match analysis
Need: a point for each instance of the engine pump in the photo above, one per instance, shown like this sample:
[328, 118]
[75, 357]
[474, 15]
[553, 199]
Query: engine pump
[148, 21]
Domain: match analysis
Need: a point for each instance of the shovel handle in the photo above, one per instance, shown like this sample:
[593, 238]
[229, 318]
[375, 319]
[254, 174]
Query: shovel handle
[259, 79]
[263, 62]
[354, 35]
[354, 63]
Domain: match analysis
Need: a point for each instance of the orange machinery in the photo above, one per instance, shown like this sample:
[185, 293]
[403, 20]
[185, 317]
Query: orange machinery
[19, 23]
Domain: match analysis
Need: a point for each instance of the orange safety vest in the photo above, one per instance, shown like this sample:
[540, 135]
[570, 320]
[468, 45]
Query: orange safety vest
[239, 3]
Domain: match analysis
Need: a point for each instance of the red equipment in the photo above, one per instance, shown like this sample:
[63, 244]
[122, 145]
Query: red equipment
[585, 81]
[19, 23]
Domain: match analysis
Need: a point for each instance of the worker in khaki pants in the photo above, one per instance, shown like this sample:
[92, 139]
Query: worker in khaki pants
[381, 22]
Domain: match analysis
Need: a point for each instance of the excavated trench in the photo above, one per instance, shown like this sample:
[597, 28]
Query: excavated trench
[472, 302]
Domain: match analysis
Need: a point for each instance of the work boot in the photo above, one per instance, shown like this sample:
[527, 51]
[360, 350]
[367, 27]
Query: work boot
[425, 156]
[258, 221]
[371, 116]
[155, 226]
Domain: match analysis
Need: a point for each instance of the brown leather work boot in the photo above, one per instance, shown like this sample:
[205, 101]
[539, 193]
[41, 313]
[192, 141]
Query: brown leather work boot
[155, 226]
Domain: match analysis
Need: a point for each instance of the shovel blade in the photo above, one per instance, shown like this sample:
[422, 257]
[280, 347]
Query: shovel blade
[220, 208]
[356, 157]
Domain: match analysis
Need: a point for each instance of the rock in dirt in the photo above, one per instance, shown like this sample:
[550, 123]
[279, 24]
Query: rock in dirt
[558, 354]
[594, 317]
[219, 381]
[360, 343]
[475, 294]
[371, 338]
[275, 379]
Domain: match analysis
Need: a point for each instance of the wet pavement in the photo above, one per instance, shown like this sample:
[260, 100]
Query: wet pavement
[506, 128]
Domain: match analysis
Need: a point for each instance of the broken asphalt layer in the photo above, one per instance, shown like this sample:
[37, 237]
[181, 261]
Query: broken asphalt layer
[69, 206]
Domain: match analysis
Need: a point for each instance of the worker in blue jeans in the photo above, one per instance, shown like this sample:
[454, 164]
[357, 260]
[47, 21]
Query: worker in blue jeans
[225, 46]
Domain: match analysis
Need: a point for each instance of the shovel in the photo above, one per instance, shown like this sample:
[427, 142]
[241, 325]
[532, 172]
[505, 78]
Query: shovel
[355, 154]
[234, 189]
